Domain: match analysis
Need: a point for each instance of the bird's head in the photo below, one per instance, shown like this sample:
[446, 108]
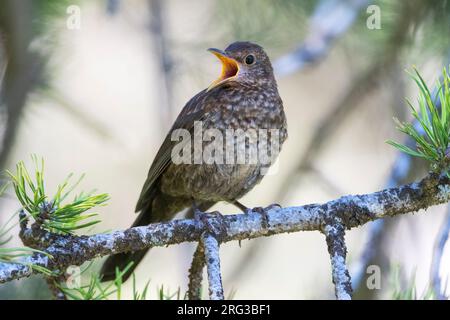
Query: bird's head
[243, 62]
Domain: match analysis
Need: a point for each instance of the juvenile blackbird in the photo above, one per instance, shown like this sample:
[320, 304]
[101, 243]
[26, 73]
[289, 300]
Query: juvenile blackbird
[245, 96]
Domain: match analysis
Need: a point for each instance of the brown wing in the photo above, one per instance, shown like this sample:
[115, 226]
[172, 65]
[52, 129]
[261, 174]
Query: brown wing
[191, 112]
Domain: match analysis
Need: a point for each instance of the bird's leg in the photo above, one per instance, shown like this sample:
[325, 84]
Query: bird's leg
[247, 210]
[241, 207]
[214, 221]
[196, 209]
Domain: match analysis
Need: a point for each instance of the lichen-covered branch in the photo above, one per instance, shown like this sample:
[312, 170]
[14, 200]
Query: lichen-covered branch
[334, 234]
[351, 210]
[212, 260]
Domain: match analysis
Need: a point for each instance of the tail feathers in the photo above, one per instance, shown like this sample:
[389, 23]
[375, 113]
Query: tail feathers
[122, 260]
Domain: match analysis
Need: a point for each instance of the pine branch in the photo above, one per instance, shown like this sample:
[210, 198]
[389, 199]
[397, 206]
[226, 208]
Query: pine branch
[352, 211]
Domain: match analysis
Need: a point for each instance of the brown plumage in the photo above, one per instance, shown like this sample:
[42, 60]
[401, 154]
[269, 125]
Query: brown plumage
[244, 97]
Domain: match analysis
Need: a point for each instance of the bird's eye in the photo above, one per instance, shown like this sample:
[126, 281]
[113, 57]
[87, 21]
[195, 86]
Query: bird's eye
[250, 59]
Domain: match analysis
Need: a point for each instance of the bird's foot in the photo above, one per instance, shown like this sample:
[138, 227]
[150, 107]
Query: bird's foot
[263, 212]
[214, 223]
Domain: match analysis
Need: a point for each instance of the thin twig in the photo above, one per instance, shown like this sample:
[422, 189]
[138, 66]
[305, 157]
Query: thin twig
[163, 57]
[196, 273]
[212, 260]
[337, 249]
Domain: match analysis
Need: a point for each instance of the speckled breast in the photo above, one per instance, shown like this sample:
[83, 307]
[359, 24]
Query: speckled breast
[222, 175]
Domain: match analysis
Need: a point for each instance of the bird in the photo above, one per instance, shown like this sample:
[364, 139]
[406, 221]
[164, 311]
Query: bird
[245, 97]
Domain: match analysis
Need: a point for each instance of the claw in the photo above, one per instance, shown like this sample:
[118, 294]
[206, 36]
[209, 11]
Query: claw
[263, 212]
[272, 206]
[260, 210]
[214, 223]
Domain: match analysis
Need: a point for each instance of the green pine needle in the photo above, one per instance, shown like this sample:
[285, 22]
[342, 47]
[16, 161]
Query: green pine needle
[433, 144]
[166, 295]
[54, 214]
[96, 290]
[408, 292]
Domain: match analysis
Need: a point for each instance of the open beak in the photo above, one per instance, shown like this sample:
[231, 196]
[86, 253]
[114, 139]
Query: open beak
[230, 67]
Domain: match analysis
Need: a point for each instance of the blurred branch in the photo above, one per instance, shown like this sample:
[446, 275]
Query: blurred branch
[399, 173]
[112, 7]
[351, 211]
[23, 69]
[441, 240]
[330, 20]
[165, 64]
[361, 86]
[89, 121]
